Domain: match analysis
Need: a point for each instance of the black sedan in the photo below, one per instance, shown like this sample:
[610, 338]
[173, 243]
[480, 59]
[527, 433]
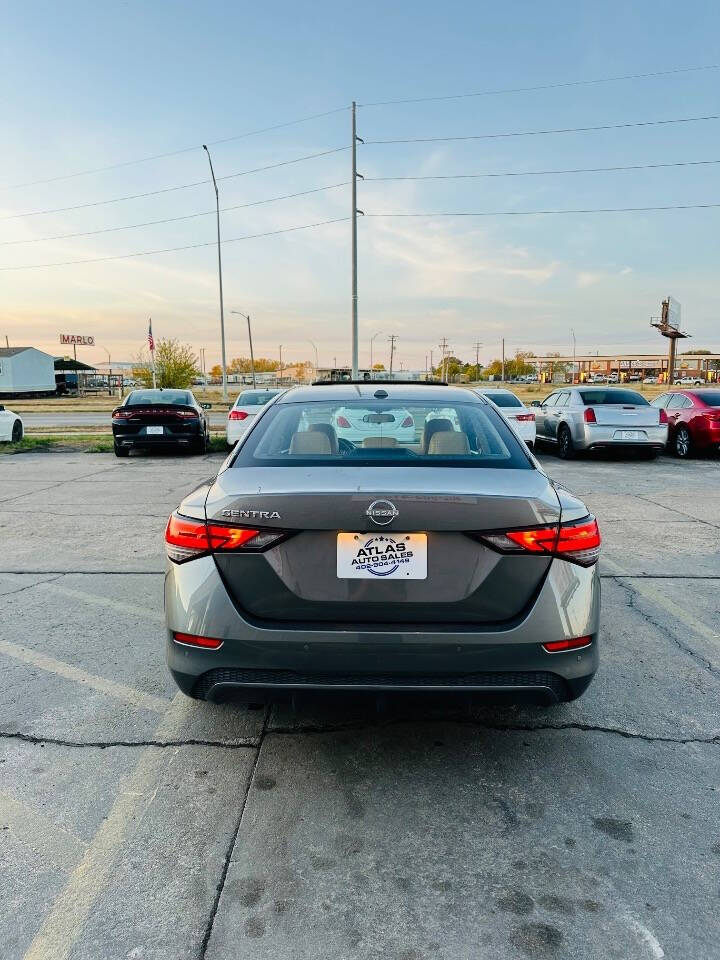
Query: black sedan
[160, 418]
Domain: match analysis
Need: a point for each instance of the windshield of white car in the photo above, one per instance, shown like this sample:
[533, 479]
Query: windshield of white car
[605, 398]
[503, 399]
[392, 432]
[145, 397]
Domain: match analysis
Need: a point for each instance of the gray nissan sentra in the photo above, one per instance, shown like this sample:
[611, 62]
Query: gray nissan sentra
[438, 559]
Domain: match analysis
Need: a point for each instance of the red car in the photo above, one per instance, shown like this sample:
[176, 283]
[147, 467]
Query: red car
[693, 418]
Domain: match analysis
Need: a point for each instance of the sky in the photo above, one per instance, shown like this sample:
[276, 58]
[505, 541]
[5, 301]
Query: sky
[104, 85]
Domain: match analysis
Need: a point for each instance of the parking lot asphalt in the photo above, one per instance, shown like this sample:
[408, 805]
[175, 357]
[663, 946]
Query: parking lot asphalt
[138, 824]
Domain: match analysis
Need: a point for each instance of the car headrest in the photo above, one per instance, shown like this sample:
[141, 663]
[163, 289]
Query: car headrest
[379, 442]
[310, 442]
[329, 432]
[452, 443]
[433, 426]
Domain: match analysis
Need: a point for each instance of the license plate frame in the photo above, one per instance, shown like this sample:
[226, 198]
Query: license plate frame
[154, 431]
[629, 435]
[381, 556]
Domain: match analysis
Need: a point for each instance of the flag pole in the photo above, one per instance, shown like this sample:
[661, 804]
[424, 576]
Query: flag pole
[151, 344]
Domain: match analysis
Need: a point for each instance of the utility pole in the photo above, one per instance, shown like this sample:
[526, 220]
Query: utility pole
[222, 309]
[478, 344]
[355, 211]
[202, 368]
[280, 365]
[252, 355]
[443, 346]
[574, 367]
[503, 359]
[432, 363]
[392, 338]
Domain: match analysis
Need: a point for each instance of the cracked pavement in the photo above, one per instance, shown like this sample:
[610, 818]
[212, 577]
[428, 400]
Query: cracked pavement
[136, 823]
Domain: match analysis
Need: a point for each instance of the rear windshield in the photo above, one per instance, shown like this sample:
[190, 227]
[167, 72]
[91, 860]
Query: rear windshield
[503, 399]
[603, 398]
[710, 397]
[371, 432]
[143, 397]
[255, 398]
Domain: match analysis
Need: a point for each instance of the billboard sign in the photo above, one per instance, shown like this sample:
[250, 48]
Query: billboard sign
[673, 312]
[77, 339]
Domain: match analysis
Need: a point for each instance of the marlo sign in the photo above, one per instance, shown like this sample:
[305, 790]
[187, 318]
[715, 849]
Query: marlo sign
[77, 339]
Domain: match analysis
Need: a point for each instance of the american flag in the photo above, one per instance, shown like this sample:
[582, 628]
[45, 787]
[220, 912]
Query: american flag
[151, 341]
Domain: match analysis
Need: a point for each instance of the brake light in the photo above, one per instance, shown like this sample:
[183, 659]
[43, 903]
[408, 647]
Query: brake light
[186, 538]
[193, 640]
[589, 415]
[558, 646]
[526, 417]
[578, 542]
[237, 415]
[343, 423]
[121, 414]
[186, 413]
[408, 422]
[663, 416]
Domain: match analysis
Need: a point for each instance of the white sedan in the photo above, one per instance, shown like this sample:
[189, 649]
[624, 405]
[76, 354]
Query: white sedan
[515, 411]
[244, 410]
[11, 426]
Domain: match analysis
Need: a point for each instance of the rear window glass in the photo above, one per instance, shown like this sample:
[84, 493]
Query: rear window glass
[710, 397]
[255, 398]
[390, 432]
[503, 399]
[603, 398]
[144, 397]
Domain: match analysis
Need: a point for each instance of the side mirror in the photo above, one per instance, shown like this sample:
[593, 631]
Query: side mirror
[536, 403]
[206, 406]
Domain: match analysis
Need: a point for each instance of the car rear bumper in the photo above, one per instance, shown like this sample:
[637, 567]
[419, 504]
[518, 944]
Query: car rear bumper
[437, 658]
[592, 435]
[236, 429]
[167, 439]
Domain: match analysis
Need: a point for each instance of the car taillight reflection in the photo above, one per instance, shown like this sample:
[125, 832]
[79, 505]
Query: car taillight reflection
[525, 417]
[408, 422]
[343, 423]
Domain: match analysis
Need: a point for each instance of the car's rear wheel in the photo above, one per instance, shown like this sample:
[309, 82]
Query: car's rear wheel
[682, 443]
[566, 447]
[201, 446]
[17, 431]
[121, 451]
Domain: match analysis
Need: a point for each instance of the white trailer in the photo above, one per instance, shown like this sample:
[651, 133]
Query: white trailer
[26, 370]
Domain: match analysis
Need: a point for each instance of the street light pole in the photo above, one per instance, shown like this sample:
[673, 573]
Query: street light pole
[574, 367]
[281, 368]
[371, 349]
[252, 355]
[312, 344]
[222, 309]
[353, 234]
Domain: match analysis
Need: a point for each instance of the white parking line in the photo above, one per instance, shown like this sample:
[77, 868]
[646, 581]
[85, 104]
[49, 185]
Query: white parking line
[112, 688]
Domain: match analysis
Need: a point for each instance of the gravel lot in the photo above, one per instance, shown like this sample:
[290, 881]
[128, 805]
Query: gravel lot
[139, 824]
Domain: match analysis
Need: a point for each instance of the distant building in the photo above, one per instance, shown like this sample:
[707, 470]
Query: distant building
[26, 370]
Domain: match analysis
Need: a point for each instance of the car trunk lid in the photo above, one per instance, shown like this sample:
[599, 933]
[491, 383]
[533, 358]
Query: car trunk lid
[296, 581]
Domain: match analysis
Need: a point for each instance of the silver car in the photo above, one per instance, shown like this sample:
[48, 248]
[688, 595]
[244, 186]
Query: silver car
[583, 418]
[448, 561]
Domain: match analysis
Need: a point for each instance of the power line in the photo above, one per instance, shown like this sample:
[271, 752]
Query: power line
[191, 246]
[188, 216]
[171, 153]
[544, 86]
[535, 213]
[544, 173]
[182, 186]
[537, 133]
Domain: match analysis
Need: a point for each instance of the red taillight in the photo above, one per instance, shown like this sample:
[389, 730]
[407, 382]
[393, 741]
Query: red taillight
[536, 541]
[526, 417]
[121, 414]
[663, 416]
[578, 542]
[408, 422]
[238, 415]
[343, 423]
[589, 415]
[186, 538]
[193, 640]
[558, 646]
